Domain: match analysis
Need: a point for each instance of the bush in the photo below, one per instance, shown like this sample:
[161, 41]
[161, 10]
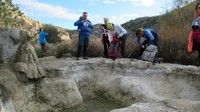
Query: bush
[53, 33]
[173, 31]
[95, 48]
[63, 49]
[58, 50]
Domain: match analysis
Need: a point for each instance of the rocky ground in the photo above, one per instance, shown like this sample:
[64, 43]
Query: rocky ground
[132, 85]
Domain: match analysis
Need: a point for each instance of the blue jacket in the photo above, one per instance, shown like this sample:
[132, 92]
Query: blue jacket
[85, 28]
[151, 37]
[43, 37]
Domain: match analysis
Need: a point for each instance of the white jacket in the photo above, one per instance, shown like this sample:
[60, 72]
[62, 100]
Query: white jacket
[119, 30]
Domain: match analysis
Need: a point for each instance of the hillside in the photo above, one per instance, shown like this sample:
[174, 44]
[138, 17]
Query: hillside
[20, 20]
[172, 27]
[186, 12]
[132, 25]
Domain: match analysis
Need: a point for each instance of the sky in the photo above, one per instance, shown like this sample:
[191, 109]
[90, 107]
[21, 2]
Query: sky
[64, 13]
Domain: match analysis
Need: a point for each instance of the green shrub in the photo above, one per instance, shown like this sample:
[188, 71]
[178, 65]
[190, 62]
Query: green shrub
[58, 50]
[63, 49]
[173, 31]
[53, 33]
[95, 48]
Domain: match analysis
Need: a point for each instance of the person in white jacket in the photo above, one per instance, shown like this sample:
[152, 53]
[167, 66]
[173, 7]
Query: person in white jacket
[122, 35]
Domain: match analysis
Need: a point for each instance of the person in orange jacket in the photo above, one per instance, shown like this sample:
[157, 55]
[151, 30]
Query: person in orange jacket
[194, 38]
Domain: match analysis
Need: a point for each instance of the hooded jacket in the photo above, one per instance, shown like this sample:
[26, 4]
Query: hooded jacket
[85, 27]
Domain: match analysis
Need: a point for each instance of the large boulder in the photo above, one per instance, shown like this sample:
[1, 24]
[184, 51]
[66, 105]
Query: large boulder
[27, 63]
[60, 93]
[6, 104]
[10, 40]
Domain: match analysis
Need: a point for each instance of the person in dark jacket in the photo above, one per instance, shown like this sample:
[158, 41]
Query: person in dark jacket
[105, 38]
[85, 30]
[150, 36]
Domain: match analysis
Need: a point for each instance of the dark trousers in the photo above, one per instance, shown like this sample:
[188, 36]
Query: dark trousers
[83, 45]
[106, 45]
[80, 49]
[44, 49]
[123, 45]
[197, 47]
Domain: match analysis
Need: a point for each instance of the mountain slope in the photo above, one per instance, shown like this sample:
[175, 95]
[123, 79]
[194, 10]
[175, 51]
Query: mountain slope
[132, 25]
[20, 20]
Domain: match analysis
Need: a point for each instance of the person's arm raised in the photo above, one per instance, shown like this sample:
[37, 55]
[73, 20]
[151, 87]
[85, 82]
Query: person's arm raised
[78, 23]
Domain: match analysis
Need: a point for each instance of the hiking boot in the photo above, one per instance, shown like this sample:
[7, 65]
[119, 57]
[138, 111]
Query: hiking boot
[86, 58]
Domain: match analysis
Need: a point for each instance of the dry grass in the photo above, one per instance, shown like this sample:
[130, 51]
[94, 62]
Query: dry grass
[58, 50]
[173, 31]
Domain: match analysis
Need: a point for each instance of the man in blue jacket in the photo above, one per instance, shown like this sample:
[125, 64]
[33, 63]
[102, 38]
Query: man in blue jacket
[43, 39]
[85, 30]
[151, 38]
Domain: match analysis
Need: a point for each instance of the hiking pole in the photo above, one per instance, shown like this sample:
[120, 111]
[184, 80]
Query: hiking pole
[130, 54]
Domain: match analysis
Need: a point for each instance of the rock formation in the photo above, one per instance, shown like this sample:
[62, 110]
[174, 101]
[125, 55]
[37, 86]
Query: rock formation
[139, 86]
[136, 85]
[10, 40]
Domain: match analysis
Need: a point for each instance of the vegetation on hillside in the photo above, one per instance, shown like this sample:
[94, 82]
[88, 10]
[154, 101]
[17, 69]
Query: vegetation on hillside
[53, 34]
[9, 14]
[174, 28]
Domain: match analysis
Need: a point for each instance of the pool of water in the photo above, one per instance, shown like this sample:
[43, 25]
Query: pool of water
[94, 105]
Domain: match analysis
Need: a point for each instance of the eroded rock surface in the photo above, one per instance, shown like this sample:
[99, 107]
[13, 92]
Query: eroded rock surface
[10, 40]
[139, 86]
[150, 88]
[27, 64]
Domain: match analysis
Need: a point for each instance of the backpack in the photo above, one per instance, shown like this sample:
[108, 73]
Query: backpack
[150, 54]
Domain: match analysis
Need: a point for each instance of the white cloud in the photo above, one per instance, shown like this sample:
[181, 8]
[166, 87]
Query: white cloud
[34, 8]
[47, 10]
[146, 3]
[117, 19]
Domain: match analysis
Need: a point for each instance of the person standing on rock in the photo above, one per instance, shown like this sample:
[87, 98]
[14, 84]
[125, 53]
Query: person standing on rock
[105, 38]
[121, 33]
[85, 28]
[43, 40]
[194, 38]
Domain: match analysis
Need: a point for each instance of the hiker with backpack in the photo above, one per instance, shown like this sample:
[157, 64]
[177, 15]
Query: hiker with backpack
[121, 33]
[85, 29]
[43, 40]
[147, 39]
[194, 37]
[105, 37]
